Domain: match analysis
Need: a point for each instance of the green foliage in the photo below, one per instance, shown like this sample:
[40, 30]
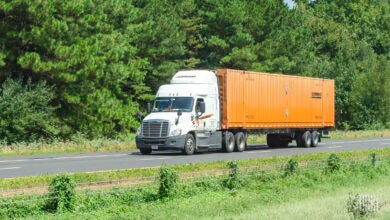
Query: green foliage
[291, 167]
[62, 196]
[105, 60]
[233, 181]
[333, 163]
[26, 112]
[168, 183]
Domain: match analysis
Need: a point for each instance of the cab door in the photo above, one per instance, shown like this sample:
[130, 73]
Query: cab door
[207, 123]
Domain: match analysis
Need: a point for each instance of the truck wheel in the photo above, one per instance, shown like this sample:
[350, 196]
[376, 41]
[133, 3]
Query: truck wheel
[228, 142]
[145, 151]
[315, 138]
[240, 142]
[189, 145]
[306, 139]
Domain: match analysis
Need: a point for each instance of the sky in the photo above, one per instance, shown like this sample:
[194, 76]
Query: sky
[290, 3]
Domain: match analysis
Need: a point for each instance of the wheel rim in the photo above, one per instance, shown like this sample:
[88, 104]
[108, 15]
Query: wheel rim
[307, 139]
[231, 142]
[315, 138]
[190, 145]
[241, 143]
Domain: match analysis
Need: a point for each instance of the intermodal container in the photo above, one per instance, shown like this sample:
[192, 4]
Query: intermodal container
[254, 100]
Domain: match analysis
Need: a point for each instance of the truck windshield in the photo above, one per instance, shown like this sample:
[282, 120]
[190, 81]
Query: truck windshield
[173, 104]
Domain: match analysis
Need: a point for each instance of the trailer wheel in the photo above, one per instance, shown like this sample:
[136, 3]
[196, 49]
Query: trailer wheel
[306, 139]
[189, 145]
[228, 142]
[240, 142]
[315, 138]
[145, 151]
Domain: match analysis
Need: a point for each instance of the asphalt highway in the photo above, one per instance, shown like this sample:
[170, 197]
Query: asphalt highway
[19, 166]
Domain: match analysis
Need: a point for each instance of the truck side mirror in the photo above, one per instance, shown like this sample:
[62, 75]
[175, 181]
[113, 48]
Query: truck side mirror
[202, 107]
[139, 114]
[179, 113]
[148, 107]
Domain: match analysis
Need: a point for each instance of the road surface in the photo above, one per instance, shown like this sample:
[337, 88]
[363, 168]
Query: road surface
[18, 166]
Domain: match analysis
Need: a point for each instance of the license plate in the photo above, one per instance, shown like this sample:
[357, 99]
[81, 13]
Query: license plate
[154, 147]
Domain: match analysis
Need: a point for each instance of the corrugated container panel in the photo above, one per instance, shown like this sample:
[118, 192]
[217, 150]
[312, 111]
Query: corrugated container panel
[261, 100]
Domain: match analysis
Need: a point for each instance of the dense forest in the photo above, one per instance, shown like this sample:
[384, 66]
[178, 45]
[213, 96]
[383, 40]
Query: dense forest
[88, 66]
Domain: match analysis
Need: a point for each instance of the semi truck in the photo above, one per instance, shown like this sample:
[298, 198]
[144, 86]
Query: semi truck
[203, 110]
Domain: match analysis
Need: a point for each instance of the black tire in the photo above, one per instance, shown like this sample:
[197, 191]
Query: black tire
[189, 145]
[315, 138]
[240, 142]
[306, 139]
[228, 142]
[145, 151]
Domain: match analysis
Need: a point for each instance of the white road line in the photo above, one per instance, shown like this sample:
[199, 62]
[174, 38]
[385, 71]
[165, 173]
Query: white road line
[62, 158]
[386, 143]
[157, 158]
[10, 168]
[258, 151]
[335, 147]
[84, 157]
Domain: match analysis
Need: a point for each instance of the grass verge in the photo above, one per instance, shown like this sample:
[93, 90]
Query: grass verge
[127, 174]
[308, 193]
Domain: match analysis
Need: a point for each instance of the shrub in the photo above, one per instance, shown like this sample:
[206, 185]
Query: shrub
[291, 167]
[233, 181]
[25, 112]
[360, 206]
[168, 183]
[333, 163]
[62, 194]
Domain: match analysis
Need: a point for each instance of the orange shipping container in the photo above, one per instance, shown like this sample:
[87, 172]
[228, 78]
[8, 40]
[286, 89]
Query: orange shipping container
[252, 100]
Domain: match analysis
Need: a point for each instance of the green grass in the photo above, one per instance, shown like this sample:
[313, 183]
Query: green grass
[334, 135]
[308, 194]
[44, 180]
[79, 144]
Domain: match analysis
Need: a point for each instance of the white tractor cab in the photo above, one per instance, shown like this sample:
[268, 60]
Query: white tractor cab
[185, 115]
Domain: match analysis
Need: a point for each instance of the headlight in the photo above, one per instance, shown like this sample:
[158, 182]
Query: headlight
[139, 131]
[176, 132]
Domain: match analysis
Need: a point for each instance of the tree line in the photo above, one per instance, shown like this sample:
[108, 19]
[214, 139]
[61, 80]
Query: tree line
[88, 66]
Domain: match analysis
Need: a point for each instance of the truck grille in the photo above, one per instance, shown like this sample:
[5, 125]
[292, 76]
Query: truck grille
[155, 129]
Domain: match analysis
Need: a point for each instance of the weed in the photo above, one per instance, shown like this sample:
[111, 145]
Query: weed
[233, 181]
[361, 206]
[333, 163]
[168, 183]
[62, 194]
[291, 167]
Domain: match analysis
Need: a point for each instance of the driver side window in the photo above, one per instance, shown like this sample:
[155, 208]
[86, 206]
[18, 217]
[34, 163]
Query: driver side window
[197, 107]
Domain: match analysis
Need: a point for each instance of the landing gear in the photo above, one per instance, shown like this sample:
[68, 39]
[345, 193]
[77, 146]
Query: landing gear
[278, 140]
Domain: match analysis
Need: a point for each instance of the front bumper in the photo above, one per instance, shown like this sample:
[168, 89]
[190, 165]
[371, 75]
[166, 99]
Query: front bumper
[169, 143]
